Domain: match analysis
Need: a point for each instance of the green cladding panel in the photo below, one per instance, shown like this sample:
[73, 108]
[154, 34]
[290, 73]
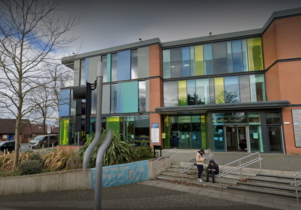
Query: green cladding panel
[64, 132]
[113, 124]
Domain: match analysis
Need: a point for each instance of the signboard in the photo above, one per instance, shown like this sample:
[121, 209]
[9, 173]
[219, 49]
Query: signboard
[297, 127]
[155, 132]
[122, 174]
[163, 135]
[48, 129]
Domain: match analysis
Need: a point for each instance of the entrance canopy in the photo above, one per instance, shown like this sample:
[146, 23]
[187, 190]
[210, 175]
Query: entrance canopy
[199, 109]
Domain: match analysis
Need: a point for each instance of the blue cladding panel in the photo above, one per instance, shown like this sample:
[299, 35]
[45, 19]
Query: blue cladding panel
[109, 68]
[86, 70]
[185, 61]
[208, 63]
[124, 65]
[237, 56]
[64, 105]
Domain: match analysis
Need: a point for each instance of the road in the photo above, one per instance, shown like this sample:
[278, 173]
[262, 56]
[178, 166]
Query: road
[25, 147]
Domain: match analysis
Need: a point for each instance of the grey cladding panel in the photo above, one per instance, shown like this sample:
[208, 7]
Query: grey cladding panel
[106, 99]
[147, 95]
[143, 62]
[76, 72]
[93, 68]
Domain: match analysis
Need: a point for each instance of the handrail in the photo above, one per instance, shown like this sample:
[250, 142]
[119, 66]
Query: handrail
[240, 159]
[191, 165]
[296, 184]
[174, 149]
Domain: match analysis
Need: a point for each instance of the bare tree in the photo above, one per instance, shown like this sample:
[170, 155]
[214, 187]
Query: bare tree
[31, 31]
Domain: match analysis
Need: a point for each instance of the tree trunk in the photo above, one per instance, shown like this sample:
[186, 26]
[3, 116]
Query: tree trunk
[44, 125]
[17, 141]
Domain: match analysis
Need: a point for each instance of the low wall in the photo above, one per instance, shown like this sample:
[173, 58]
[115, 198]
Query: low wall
[70, 180]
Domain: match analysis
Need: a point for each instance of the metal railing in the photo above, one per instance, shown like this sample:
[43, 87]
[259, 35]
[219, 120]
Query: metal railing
[173, 150]
[296, 183]
[240, 166]
[192, 165]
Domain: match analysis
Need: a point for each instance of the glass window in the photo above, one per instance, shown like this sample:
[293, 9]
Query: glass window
[141, 128]
[220, 57]
[196, 132]
[170, 93]
[114, 98]
[176, 62]
[217, 118]
[182, 93]
[275, 137]
[114, 67]
[235, 117]
[256, 138]
[174, 132]
[185, 61]
[185, 132]
[191, 95]
[124, 65]
[257, 88]
[64, 103]
[199, 60]
[208, 63]
[245, 54]
[229, 57]
[273, 117]
[254, 118]
[219, 90]
[192, 68]
[211, 89]
[142, 96]
[218, 138]
[237, 56]
[134, 64]
[255, 54]
[231, 90]
[244, 88]
[104, 68]
[202, 91]
[109, 66]
[166, 64]
[82, 72]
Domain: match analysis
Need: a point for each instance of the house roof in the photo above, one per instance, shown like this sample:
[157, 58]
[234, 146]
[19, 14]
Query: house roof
[7, 126]
[38, 128]
[55, 130]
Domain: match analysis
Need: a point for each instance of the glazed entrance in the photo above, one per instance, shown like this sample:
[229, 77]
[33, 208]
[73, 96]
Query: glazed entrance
[237, 139]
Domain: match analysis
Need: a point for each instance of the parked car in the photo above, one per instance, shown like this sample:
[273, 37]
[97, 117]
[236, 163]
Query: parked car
[7, 145]
[40, 141]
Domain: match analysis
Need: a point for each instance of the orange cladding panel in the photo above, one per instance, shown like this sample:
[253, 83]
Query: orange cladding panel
[155, 93]
[269, 46]
[155, 60]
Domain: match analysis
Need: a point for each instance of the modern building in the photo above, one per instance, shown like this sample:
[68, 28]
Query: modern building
[238, 91]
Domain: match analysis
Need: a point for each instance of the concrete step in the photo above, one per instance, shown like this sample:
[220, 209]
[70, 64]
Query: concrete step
[194, 173]
[270, 186]
[191, 182]
[225, 180]
[278, 176]
[270, 180]
[263, 191]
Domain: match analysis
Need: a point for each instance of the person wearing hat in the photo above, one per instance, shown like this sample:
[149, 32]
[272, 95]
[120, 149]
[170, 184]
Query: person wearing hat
[199, 159]
[213, 169]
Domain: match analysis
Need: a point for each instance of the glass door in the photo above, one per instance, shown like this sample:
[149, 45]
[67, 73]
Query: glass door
[275, 138]
[237, 138]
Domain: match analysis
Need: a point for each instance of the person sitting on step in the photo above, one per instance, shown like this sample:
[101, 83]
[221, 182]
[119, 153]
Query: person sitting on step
[213, 169]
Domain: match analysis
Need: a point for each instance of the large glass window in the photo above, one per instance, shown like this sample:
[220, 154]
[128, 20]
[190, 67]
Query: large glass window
[255, 54]
[134, 64]
[237, 56]
[124, 65]
[185, 61]
[257, 88]
[114, 68]
[64, 103]
[199, 60]
[185, 132]
[220, 58]
[141, 128]
[176, 62]
[170, 93]
[104, 68]
[166, 64]
[192, 66]
[82, 72]
[208, 63]
[114, 98]
[231, 90]
[182, 93]
[219, 90]
[244, 88]
[218, 138]
[202, 91]
[273, 117]
[142, 96]
[191, 94]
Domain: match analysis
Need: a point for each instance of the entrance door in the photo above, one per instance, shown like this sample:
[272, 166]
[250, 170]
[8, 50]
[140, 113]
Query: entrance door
[237, 139]
[275, 137]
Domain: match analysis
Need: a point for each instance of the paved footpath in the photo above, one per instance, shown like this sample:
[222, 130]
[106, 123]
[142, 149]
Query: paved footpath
[148, 195]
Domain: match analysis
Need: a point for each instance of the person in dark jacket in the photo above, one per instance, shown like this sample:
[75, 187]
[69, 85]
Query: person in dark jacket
[213, 169]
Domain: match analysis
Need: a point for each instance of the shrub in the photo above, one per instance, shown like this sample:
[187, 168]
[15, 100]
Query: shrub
[30, 167]
[75, 163]
[143, 152]
[57, 159]
[35, 156]
[7, 160]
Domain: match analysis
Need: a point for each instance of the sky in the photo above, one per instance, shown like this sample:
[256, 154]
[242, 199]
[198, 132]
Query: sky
[109, 23]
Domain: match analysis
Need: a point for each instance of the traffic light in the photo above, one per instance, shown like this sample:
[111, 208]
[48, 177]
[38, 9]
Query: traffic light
[82, 107]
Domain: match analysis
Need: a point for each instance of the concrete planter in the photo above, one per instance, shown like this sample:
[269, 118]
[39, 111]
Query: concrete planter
[60, 181]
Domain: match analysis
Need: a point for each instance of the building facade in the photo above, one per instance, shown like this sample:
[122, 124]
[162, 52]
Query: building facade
[230, 92]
